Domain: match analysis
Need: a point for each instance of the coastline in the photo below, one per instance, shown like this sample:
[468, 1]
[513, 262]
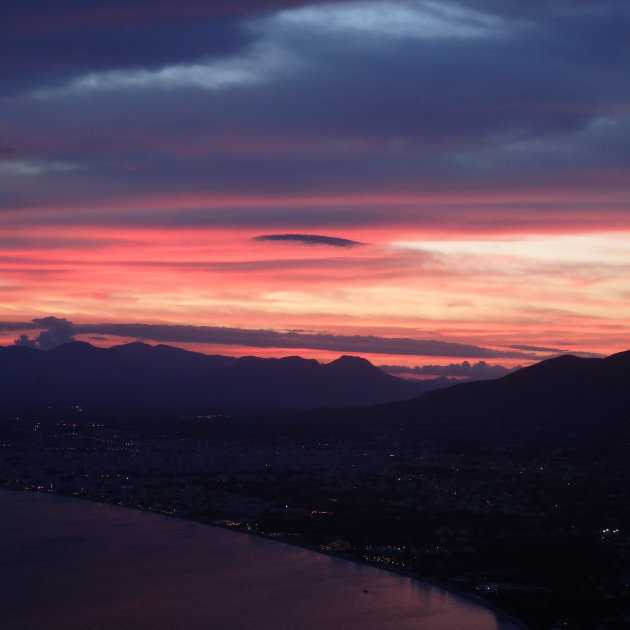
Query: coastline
[346, 556]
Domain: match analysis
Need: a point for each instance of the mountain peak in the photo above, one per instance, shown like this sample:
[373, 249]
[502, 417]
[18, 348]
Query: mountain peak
[131, 346]
[347, 360]
[72, 348]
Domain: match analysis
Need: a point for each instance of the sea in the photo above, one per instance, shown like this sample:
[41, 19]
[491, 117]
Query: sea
[73, 564]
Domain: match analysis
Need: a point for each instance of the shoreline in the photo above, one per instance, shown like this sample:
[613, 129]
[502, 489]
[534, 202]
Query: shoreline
[349, 557]
[346, 556]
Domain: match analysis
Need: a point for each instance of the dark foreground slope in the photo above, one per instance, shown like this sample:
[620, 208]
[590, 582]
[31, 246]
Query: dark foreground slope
[562, 396]
[138, 375]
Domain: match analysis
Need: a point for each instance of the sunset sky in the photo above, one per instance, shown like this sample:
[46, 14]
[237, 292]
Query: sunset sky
[419, 182]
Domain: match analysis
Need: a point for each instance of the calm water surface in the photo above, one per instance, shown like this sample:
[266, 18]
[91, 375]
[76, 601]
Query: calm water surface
[76, 565]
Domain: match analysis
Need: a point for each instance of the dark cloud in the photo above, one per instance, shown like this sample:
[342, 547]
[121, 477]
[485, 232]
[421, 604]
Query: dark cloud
[8, 326]
[72, 37]
[310, 239]
[55, 331]
[58, 330]
[7, 151]
[356, 344]
[471, 371]
[40, 16]
[26, 341]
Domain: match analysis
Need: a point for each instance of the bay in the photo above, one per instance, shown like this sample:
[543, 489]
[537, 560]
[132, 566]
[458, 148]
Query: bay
[78, 565]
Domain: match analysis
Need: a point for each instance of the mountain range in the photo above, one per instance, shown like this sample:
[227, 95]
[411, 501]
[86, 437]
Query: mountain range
[563, 394]
[138, 375]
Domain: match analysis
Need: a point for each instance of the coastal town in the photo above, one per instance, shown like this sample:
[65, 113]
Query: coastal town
[529, 530]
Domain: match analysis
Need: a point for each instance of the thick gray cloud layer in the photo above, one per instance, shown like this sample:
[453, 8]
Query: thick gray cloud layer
[297, 97]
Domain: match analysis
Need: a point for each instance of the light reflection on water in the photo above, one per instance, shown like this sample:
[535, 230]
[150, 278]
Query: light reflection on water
[72, 564]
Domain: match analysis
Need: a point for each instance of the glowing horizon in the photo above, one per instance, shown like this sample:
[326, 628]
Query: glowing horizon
[395, 170]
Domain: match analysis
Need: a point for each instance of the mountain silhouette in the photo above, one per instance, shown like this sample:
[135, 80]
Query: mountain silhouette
[140, 375]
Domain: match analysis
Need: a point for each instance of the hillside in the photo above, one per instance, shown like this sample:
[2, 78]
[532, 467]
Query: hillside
[566, 395]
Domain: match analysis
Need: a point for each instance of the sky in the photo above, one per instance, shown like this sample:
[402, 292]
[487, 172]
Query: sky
[421, 183]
